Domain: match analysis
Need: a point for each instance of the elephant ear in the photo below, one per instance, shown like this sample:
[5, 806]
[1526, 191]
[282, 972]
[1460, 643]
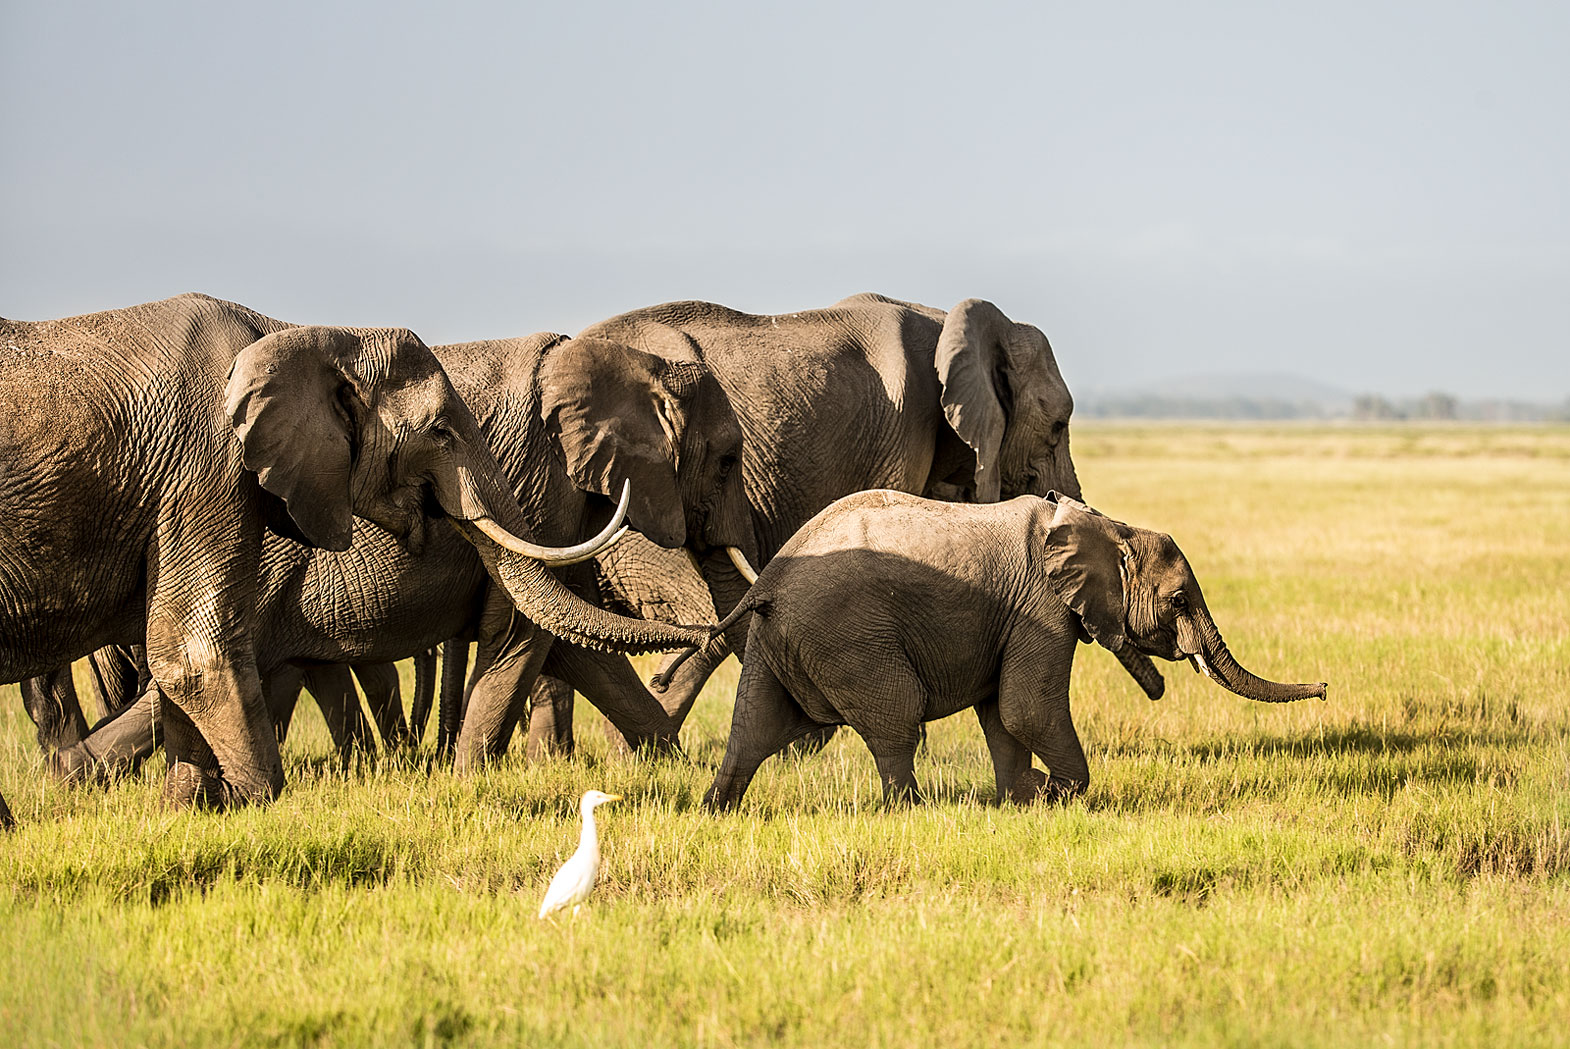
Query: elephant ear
[1084, 566]
[972, 358]
[617, 415]
[286, 400]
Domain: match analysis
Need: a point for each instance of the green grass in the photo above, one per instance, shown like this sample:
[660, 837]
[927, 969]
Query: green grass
[1387, 866]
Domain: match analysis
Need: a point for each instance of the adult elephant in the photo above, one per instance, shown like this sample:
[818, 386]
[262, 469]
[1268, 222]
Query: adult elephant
[144, 452]
[571, 421]
[965, 405]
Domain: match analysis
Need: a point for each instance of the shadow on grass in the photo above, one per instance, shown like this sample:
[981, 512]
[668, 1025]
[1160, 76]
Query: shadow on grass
[1335, 742]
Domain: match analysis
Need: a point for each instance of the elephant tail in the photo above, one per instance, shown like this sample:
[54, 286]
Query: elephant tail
[754, 602]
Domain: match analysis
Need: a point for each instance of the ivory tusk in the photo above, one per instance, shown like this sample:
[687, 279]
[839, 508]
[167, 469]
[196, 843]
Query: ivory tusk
[561, 556]
[1201, 666]
[739, 559]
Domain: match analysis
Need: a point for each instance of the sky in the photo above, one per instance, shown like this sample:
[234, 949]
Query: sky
[1370, 195]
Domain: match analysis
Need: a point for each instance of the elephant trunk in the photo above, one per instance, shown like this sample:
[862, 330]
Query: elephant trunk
[482, 513]
[1068, 476]
[1215, 662]
[449, 719]
[544, 599]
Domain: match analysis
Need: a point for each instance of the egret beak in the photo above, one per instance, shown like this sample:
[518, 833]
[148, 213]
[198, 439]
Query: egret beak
[613, 797]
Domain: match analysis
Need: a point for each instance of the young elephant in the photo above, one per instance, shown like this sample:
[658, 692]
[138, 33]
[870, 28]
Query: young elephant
[888, 610]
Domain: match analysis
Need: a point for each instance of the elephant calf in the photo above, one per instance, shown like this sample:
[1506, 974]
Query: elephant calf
[887, 610]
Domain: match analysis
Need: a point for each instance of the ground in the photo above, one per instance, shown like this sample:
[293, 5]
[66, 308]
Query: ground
[1387, 866]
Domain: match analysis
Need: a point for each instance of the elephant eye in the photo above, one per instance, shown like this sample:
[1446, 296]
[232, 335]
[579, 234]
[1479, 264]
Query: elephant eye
[1179, 601]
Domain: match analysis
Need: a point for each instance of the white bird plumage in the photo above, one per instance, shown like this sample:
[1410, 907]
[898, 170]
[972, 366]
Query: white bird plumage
[573, 883]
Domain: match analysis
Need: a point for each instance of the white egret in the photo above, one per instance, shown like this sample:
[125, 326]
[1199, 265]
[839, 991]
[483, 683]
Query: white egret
[573, 883]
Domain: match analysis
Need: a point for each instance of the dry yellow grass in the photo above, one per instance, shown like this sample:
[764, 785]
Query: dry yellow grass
[1390, 865]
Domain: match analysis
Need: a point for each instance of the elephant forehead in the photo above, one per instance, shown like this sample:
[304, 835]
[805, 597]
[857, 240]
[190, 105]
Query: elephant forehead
[1156, 552]
[417, 401]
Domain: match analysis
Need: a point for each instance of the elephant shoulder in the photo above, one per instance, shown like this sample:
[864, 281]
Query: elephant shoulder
[872, 298]
[652, 331]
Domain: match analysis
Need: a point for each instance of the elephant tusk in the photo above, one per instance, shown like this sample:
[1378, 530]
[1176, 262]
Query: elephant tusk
[561, 556]
[739, 559]
[1202, 667]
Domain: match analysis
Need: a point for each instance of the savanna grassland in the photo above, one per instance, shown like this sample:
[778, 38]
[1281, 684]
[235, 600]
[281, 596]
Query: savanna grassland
[1389, 866]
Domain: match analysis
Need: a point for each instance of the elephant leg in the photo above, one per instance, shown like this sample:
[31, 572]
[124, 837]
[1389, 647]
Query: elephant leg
[194, 779]
[119, 675]
[455, 668]
[1016, 780]
[199, 620]
[550, 717]
[424, 694]
[678, 684]
[678, 691]
[117, 745]
[282, 687]
[766, 720]
[896, 760]
[384, 695]
[7, 821]
[334, 691]
[50, 700]
[610, 683]
[1036, 712]
[511, 652]
[885, 710]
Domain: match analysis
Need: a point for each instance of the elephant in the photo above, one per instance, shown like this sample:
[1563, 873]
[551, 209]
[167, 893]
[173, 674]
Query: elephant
[145, 451]
[869, 393]
[571, 421]
[888, 610]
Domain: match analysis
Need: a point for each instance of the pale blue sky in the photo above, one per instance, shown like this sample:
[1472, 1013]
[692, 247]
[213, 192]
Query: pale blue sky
[1373, 195]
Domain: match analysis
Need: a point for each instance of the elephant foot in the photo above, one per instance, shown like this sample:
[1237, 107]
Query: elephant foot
[726, 792]
[191, 786]
[1063, 790]
[1029, 786]
[76, 766]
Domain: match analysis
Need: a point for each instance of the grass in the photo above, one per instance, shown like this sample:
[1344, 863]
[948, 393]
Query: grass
[1390, 865]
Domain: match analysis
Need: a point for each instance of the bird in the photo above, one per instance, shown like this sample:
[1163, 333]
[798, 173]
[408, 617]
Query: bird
[572, 884]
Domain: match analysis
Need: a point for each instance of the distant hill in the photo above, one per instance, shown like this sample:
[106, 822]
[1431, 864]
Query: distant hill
[1228, 395]
[1283, 395]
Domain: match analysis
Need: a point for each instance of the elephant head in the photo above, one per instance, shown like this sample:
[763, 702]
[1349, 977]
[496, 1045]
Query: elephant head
[1004, 396]
[346, 422]
[1133, 588]
[620, 414]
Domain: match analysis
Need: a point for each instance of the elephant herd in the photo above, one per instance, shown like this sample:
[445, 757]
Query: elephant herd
[217, 505]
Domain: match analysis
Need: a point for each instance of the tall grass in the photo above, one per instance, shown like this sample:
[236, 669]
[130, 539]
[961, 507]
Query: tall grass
[1389, 865]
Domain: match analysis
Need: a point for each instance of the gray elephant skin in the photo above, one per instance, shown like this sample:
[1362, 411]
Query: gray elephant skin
[571, 421]
[888, 610]
[143, 453]
[870, 393]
